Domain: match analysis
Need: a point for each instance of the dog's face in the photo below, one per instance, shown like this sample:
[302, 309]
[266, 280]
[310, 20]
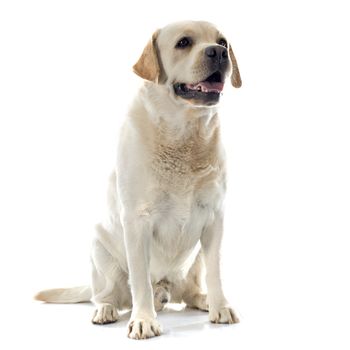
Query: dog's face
[193, 59]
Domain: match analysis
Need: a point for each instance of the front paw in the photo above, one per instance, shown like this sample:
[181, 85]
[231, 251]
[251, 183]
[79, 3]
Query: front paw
[143, 328]
[223, 315]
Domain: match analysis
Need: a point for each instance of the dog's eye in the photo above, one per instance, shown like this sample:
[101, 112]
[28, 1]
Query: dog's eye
[184, 42]
[222, 42]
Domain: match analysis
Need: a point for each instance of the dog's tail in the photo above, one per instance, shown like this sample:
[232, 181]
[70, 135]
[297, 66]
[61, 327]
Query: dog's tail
[65, 295]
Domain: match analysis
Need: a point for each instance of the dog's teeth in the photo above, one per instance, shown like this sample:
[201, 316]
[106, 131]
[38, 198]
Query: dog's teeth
[199, 88]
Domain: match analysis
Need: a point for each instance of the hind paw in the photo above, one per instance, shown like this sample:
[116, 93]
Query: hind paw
[104, 314]
[198, 301]
[161, 297]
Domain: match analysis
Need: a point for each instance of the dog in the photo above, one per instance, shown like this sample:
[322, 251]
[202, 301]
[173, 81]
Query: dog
[165, 196]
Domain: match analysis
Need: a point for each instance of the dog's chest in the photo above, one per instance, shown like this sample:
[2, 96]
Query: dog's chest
[178, 222]
[184, 216]
[182, 166]
[188, 188]
[189, 180]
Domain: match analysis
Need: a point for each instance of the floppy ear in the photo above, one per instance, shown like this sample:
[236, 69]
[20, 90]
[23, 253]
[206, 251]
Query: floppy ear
[235, 76]
[147, 67]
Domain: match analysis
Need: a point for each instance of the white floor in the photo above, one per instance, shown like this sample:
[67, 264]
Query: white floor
[69, 327]
[43, 326]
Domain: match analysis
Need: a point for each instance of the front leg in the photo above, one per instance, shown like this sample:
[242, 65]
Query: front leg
[219, 309]
[137, 235]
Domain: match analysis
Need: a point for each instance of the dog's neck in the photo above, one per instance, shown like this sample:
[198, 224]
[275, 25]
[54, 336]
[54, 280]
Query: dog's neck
[177, 120]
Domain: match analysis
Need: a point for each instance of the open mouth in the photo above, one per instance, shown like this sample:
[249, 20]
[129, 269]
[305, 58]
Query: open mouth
[208, 90]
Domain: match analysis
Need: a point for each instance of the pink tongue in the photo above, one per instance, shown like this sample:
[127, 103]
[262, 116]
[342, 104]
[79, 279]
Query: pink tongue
[206, 86]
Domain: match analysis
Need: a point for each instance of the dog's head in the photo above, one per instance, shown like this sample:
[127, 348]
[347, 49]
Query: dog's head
[193, 59]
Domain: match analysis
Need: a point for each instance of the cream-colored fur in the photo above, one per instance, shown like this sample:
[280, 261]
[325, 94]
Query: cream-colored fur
[165, 195]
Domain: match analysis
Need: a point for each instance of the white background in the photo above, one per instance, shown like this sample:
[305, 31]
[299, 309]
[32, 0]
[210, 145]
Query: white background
[65, 84]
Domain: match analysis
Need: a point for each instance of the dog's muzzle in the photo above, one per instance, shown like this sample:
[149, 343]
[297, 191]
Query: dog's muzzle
[207, 91]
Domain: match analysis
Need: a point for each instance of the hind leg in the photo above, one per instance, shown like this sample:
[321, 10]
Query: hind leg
[109, 285]
[103, 290]
[193, 294]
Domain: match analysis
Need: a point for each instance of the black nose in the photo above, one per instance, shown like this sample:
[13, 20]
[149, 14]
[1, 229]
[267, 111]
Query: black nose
[217, 53]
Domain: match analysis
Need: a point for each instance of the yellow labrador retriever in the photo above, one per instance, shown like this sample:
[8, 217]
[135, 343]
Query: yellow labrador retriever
[166, 194]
